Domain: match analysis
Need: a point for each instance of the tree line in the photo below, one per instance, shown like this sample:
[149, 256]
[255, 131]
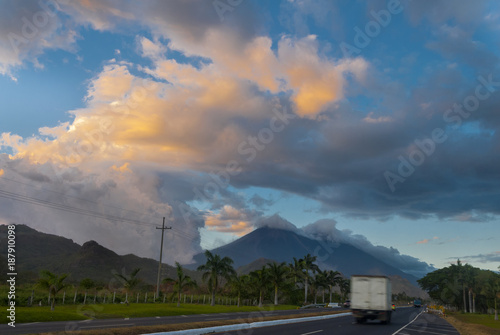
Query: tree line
[464, 287]
[298, 282]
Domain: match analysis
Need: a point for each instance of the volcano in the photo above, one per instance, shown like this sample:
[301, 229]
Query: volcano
[282, 245]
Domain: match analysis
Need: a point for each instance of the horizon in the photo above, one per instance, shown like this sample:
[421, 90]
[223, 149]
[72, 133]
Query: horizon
[371, 122]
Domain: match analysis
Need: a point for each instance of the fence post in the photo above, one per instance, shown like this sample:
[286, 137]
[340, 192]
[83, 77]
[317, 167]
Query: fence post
[64, 296]
[74, 299]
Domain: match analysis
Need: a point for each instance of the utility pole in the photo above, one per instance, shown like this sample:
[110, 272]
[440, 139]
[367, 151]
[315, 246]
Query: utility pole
[161, 252]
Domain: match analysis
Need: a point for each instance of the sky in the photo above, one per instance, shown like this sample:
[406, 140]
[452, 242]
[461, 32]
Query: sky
[370, 122]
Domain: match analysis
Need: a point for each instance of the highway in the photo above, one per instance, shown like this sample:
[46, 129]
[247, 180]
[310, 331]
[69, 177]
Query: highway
[46, 327]
[405, 321]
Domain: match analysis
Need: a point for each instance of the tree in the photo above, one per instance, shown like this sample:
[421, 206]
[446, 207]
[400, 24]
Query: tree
[259, 281]
[490, 288]
[277, 275]
[53, 283]
[216, 269]
[129, 282]
[345, 287]
[180, 283]
[86, 284]
[238, 284]
[296, 270]
[317, 282]
[308, 266]
[332, 279]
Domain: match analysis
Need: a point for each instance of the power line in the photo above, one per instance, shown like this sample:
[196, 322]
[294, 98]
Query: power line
[76, 210]
[65, 208]
[77, 198]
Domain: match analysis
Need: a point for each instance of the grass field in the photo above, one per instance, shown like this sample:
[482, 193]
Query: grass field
[106, 311]
[480, 319]
[474, 324]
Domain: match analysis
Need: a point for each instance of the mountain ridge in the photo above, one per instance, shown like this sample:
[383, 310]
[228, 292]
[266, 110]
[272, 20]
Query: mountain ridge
[281, 245]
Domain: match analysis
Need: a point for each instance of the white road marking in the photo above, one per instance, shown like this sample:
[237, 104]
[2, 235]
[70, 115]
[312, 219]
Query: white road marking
[27, 324]
[314, 332]
[400, 329]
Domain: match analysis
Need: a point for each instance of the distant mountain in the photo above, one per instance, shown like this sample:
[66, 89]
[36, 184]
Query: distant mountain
[282, 245]
[37, 251]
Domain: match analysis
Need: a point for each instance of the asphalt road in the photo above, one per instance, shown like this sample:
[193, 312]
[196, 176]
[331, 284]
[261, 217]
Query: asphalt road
[405, 321]
[46, 327]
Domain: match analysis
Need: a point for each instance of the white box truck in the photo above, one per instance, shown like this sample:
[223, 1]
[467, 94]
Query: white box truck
[371, 298]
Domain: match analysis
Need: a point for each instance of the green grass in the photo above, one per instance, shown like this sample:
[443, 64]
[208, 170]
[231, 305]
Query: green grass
[106, 311]
[487, 320]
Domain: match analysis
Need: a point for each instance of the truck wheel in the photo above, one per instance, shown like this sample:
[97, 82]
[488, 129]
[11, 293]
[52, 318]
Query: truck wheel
[388, 319]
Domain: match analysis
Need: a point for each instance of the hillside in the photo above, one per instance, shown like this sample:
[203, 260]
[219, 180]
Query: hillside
[37, 251]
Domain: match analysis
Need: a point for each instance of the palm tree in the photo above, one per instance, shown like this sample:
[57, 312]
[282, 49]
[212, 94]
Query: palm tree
[53, 283]
[260, 281]
[215, 269]
[345, 287]
[129, 282]
[333, 278]
[319, 281]
[238, 284]
[181, 282]
[296, 269]
[308, 265]
[277, 274]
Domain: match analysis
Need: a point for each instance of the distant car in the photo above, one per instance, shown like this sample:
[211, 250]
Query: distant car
[347, 304]
[417, 303]
[333, 305]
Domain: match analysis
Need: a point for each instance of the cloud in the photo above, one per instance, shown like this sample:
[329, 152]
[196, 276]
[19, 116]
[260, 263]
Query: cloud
[28, 30]
[493, 257]
[275, 221]
[261, 202]
[457, 44]
[171, 125]
[425, 241]
[115, 207]
[370, 119]
[229, 220]
[326, 230]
